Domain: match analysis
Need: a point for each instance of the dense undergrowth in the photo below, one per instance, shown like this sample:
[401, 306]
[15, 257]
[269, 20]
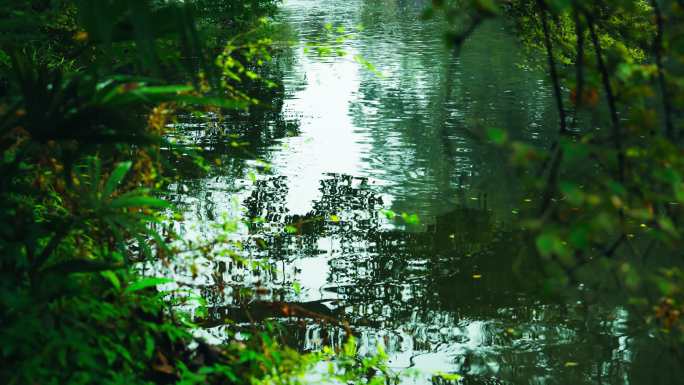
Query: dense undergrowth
[87, 92]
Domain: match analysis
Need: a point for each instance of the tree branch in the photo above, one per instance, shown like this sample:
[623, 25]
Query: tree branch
[610, 97]
[543, 14]
[658, 50]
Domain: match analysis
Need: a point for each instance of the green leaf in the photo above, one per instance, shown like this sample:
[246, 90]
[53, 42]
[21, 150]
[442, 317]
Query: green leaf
[389, 214]
[451, 377]
[546, 244]
[617, 188]
[572, 192]
[212, 101]
[168, 89]
[139, 201]
[632, 278]
[149, 345]
[665, 285]
[411, 219]
[574, 151]
[146, 283]
[497, 136]
[112, 278]
[668, 226]
[579, 237]
[368, 65]
[679, 192]
[550, 243]
[115, 178]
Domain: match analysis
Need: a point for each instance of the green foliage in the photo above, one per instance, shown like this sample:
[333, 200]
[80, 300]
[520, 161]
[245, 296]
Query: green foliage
[609, 190]
[85, 102]
[234, 16]
[69, 293]
[347, 366]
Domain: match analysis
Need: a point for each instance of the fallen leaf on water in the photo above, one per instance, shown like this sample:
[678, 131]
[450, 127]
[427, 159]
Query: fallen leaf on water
[449, 376]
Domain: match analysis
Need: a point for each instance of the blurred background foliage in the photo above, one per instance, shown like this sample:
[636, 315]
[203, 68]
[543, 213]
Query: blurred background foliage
[609, 215]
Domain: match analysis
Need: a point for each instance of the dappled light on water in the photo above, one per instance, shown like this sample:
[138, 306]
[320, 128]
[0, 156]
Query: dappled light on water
[446, 287]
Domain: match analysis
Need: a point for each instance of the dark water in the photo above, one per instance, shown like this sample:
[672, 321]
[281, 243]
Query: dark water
[343, 143]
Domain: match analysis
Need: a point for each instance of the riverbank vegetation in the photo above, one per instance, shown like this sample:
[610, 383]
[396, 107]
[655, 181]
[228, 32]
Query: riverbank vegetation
[89, 91]
[607, 214]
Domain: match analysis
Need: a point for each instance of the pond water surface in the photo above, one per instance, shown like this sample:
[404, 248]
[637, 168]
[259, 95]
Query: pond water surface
[346, 143]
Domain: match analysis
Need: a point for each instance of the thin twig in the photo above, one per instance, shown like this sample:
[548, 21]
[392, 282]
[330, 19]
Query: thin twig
[551, 181]
[50, 247]
[610, 97]
[579, 65]
[543, 14]
[658, 50]
[557, 156]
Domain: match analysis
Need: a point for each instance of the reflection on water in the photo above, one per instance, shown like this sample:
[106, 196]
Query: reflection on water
[454, 294]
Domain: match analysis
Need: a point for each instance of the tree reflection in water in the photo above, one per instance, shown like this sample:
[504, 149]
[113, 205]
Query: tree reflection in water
[454, 294]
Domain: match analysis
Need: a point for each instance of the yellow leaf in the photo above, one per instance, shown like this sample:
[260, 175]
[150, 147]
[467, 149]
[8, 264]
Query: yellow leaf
[81, 36]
